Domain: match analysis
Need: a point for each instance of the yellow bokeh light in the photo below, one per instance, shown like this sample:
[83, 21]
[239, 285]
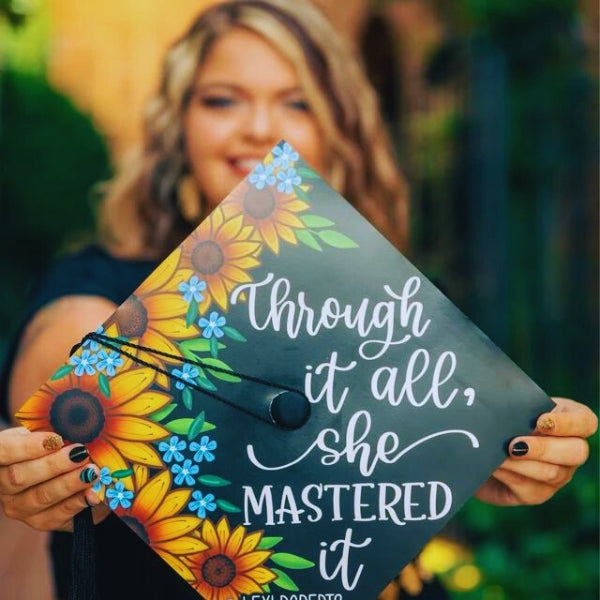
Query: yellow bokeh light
[465, 578]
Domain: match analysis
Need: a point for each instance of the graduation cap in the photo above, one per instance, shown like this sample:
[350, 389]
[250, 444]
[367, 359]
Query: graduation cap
[286, 405]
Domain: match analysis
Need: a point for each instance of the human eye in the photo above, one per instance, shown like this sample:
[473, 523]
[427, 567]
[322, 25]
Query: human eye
[216, 100]
[298, 104]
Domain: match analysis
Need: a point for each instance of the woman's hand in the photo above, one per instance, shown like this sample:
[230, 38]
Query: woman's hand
[44, 483]
[543, 462]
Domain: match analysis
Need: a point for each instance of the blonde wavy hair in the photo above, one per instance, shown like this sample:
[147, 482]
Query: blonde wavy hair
[141, 215]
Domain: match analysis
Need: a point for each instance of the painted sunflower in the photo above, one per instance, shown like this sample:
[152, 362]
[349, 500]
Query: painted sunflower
[273, 215]
[154, 315]
[232, 565]
[220, 252]
[114, 429]
[155, 516]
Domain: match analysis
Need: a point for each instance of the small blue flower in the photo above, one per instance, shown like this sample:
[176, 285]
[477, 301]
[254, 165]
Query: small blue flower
[93, 344]
[212, 325]
[188, 373]
[83, 364]
[183, 473]
[261, 176]
[119, 496]
[192, 289]
[200, 504]
[284, 156]
[172, 449]
[109, 362]
[203, 449]
[104, 478]
[287, 179]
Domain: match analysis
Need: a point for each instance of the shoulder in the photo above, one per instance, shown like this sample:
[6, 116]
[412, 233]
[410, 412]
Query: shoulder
[90, 271]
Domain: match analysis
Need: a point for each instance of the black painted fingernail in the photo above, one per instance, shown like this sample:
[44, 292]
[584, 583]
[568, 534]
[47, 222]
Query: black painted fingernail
[78, 454]
[520, 449]
[88, 475]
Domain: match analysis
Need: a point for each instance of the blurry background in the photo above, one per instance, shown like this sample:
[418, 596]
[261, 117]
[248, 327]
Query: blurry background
[493, 108]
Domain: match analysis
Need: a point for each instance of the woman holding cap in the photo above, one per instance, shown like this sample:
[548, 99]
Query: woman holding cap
[246, 74]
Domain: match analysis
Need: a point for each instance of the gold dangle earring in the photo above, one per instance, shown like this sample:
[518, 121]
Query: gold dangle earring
[189, 199]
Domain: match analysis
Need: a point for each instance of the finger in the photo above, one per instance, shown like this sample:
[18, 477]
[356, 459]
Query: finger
[22, 475]
[522, 489]
[60, 516]
[18, 444]
[571, 451]
[39, 498]
[553, 475]
[568, 419]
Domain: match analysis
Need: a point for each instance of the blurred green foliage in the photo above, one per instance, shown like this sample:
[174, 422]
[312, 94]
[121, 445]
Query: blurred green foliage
[51, 156]
[505, 216]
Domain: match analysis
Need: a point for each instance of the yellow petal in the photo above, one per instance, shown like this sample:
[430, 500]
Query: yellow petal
[269, 234]
[151, 495]
[252, 559]
[104, 454]
[139, 452]
[172, 504]
[161, 275]
[165, 306]
[223, 531]
[209, 534]
[145, 404]
[176, 564]
[141, 474]
[157, 341]
[134, 429]
[290, 219]
[263, 575]
[174, 328]
[181, 545]
[173, 527]
[125, 386]
[287, 234]
[237, 250]
[235, 542]
[250, 542]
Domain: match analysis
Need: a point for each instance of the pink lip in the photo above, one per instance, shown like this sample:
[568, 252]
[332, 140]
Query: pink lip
[238, 166]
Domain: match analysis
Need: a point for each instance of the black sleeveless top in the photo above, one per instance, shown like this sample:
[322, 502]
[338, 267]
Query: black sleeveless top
[126, 568]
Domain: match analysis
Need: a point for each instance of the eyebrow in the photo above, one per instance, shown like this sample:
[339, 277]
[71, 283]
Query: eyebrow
[209, 85]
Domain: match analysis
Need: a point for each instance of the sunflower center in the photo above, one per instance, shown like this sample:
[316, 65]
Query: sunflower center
[207, 257]
[259, 204]
[132, 318]
[134, 524]
[218, 571]
[77, 415]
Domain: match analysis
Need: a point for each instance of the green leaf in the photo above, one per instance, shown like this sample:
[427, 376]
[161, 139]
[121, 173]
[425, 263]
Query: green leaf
[315, 221]
[284, 581]
[234, 334]
[215, 362]
[336, 239]
[206, 383]
[186, 397]
[122, 473]
[213, 481]
[192, 313]
[214, 348]
[189, 354]
[268, 542]
[196, 426]
[103, 384]
[301, 193]
[198, 345]
[228, 507]
[266, 588]
[182, 426]
[308, 239]
[306, 173]
[163, 412]
[64, 370]
[291, 561]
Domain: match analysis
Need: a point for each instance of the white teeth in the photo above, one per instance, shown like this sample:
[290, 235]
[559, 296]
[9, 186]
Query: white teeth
[247, 164]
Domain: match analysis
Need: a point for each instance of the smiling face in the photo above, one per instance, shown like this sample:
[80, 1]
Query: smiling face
[245, 98]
